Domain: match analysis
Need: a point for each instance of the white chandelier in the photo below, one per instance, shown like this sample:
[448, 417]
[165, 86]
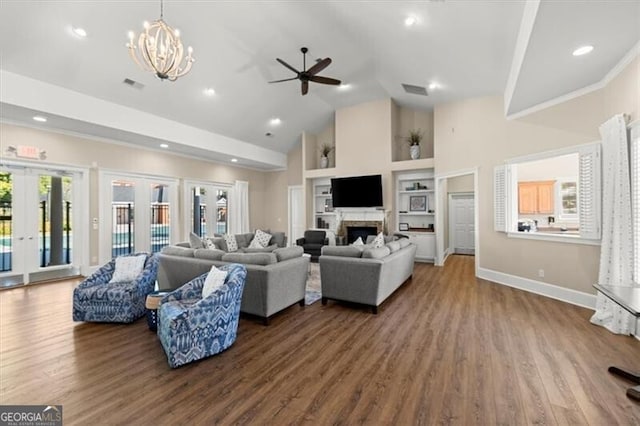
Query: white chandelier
[160, 50]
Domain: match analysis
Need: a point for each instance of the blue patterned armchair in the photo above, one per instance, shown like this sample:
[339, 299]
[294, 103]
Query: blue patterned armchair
[191, 328]
[98, 300]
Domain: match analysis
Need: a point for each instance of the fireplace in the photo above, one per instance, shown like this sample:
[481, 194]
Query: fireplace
[354, 232]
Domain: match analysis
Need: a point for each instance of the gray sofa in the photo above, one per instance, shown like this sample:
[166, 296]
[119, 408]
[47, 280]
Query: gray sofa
[364, 274]
[275, 280]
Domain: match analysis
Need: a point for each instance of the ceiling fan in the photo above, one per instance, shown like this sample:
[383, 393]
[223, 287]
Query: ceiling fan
[306, 76]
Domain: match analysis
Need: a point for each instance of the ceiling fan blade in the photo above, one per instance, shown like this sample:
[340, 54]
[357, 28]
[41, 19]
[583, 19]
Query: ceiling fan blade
[324, 80]
[287, 65]
[319, 66]
[305, 87]
[286, 79]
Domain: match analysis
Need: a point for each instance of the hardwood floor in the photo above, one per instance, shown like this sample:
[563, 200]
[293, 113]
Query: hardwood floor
[445, 348]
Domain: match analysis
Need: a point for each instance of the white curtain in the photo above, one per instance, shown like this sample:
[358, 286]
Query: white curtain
[616, 250]
[239, 208]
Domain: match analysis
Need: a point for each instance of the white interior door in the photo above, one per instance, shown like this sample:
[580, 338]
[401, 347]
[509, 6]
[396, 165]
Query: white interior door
[296, 214]
[461, 223]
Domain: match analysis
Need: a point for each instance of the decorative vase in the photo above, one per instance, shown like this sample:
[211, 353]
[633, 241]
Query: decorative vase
[414, 151]
[324, 162]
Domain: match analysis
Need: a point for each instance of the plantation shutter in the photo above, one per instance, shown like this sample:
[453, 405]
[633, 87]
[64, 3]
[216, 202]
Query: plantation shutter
[589, 191]
[500, 198]
[635, 199]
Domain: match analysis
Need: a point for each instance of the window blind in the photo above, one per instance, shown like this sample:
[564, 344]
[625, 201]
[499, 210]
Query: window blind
[589, 191]
[635, 198]
[500, 198]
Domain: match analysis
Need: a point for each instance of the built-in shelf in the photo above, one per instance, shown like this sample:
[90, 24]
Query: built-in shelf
[421, 163]
[320, 173]
[418, 225]
[417, 191]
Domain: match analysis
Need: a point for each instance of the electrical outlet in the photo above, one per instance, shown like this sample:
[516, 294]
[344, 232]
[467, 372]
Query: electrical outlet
[541, 273]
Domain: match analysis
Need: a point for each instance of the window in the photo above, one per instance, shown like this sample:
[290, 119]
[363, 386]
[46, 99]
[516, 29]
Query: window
[552, 195]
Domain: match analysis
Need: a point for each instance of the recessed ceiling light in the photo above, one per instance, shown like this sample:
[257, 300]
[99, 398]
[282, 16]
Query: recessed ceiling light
[79, 32]
[344, 86]
[582, 50]
[433, 86]
[40, 118]
[209, 91]
[164, 145]
[234, 160]
[275, 121]
[410, 21]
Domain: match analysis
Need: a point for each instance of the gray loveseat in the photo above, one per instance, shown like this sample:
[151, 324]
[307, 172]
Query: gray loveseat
[275, 280]
[364, 274]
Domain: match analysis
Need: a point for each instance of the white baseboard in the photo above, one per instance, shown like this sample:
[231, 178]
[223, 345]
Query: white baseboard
[574, 297]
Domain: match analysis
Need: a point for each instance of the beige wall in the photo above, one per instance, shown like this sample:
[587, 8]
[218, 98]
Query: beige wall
[81, 152]
[475, 132]
[275, 212]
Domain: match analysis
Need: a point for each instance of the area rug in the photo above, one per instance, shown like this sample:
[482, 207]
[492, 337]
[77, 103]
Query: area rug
[313, 291]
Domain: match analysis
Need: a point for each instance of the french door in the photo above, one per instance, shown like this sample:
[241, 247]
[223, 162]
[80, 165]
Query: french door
[206, 208]
[138, 213]
[39, 210]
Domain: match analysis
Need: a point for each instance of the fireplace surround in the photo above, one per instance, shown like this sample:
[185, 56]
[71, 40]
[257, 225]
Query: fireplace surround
[360, 227]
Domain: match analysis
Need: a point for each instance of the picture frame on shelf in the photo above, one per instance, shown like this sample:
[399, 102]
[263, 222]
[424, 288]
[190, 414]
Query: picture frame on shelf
[403, 226]
[418, 203]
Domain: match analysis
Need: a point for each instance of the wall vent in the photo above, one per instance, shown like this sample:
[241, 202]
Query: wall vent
[415, 90]
[133, 83]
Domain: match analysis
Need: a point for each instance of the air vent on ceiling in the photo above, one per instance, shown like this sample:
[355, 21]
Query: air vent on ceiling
[133, 83]
[415, 90]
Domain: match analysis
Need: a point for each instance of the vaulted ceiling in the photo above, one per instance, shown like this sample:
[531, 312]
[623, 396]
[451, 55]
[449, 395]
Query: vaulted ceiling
[456, 49]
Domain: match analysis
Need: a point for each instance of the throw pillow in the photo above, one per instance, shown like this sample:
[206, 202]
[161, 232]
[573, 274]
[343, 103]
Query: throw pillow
[376, 253]
[209, 243]
[358, 242]
[215, 280]
[195, 241]
[378, 241]
[232, 244]
[260, 240]
[128, 268]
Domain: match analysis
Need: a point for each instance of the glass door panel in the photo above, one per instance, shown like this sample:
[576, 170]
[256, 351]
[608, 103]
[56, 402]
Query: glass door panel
[55, 220]
[199, 211]
[160, 222]
[221, 211]
[122, 217]
[6, 222]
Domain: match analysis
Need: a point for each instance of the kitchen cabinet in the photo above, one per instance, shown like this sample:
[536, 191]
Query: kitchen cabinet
[536, 197]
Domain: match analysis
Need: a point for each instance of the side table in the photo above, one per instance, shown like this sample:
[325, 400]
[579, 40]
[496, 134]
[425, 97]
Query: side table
[152, 302]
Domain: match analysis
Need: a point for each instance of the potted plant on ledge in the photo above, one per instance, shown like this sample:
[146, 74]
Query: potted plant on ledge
[414, 139]
[325, 150]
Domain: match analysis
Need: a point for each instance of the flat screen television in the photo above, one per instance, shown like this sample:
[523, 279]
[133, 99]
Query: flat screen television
[357, 191]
